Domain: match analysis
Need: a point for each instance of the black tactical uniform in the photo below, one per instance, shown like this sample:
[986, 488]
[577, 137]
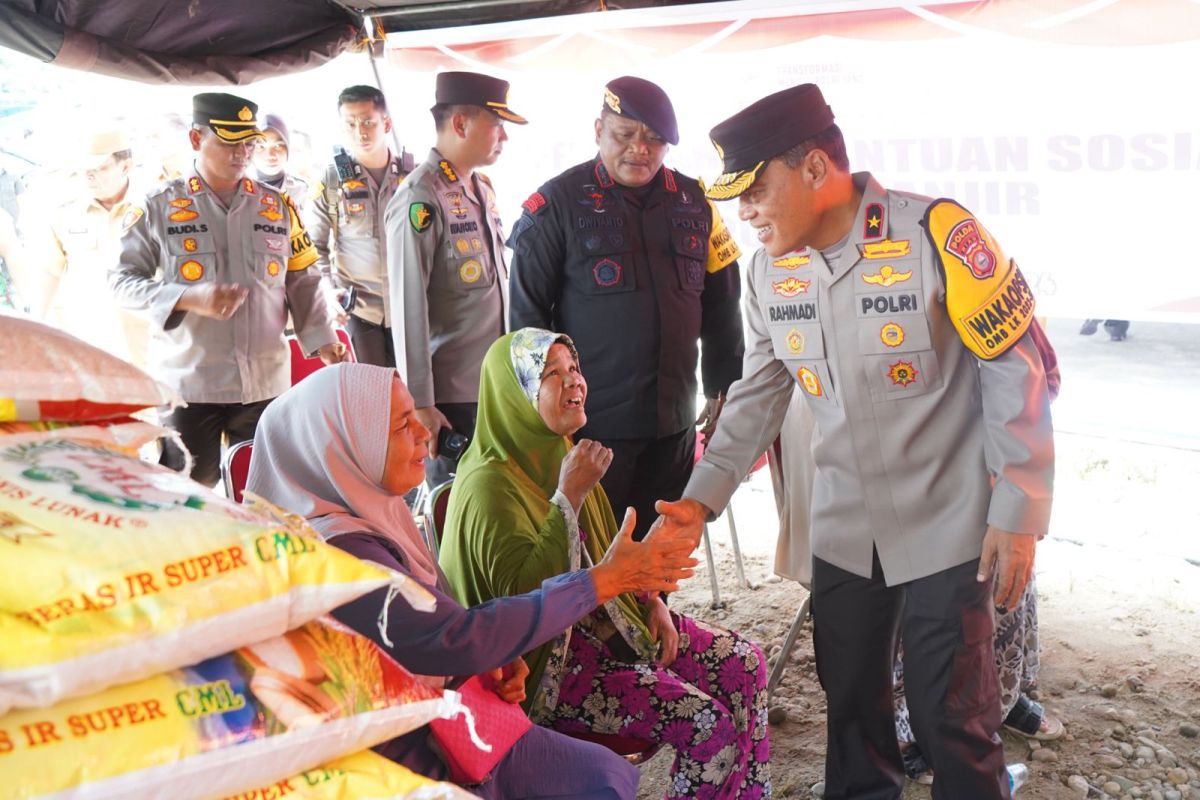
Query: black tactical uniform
[637, 277]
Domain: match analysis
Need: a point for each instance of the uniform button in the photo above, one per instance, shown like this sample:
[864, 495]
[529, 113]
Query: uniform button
[902, 203]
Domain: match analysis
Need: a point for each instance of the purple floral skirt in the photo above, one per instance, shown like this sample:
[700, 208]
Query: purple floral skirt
[710, 706]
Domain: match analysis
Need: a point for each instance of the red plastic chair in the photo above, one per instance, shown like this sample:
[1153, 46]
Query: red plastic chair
[733, 535]
[302, 367]
[235, 470]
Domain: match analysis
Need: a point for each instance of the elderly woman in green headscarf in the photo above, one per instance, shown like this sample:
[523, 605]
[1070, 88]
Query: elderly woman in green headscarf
[527, 505]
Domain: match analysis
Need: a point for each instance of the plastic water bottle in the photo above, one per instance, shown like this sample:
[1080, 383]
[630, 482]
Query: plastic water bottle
[1017, 775]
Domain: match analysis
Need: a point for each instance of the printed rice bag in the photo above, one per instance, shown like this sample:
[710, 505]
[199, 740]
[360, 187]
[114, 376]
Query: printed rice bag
[362, 776]
[48, 374]
[230, 724]
[112, 569]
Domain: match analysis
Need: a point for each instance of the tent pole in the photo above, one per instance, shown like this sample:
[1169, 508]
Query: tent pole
[369, 30]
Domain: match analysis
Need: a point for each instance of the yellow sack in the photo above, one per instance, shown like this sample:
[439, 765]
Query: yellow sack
[226, 725]
[362, 776]
[112, 569]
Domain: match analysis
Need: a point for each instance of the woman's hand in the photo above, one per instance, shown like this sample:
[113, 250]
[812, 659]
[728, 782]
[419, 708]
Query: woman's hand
[662, 628]
[656, 564]
[583, 467]
[509, 680]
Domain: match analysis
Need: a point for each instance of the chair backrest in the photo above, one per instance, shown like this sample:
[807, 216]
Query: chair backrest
[303, 367]
[436, 503]
[236, 469]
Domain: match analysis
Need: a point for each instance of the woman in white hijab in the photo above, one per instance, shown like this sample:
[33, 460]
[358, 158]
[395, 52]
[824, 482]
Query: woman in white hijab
[341, 448]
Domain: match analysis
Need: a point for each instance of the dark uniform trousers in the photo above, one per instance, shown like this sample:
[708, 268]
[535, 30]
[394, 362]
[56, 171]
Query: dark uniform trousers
[462, 419]
[950, 679]
[646, 470]
[200, 426]
[372, 343]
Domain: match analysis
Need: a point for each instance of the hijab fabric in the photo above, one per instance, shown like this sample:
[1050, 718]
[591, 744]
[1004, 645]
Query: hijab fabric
[320, 451]
[503, 488]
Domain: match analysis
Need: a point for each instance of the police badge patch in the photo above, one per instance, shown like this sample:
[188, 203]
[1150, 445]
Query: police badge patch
[903, 373]
[606, 272]
[420, 216]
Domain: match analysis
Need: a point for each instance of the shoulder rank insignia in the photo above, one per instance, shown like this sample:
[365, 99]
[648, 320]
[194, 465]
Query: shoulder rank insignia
[535, 203]
[873, 221]
[420, 216]
[248, 186]
[886, 249]
[194, 184]
[448, 171]
[987, 298]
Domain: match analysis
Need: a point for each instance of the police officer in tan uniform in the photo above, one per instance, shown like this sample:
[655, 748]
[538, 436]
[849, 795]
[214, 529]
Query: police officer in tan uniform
[624, 237]
[215, 261]
[906, 329]
[75, 243]
[445, 245]
[346, 222]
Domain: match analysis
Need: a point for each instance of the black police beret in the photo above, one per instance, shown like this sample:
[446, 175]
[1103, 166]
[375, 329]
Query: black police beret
[756, 134]
[474, 89]
[645, 102]
[232, 118]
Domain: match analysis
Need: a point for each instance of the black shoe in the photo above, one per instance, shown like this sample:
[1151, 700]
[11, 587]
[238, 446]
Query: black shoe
[1090, 326]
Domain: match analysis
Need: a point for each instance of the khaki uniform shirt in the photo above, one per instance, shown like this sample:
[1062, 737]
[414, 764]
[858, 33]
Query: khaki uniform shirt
[449, 277]
[346, 225]
[182, 236]
[78, 242]
[919, 445]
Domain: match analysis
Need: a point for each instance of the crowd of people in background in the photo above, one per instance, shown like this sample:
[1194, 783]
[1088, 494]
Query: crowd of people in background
[560, 347]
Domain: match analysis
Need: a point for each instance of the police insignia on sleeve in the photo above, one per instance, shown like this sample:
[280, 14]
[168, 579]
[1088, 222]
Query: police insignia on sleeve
[988, 300]
[420, 216]
[810, 381]
[794, 341]
[902, 373]
[606, 272]
[131, 218]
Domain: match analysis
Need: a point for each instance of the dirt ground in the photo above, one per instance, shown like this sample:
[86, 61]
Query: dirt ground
[1119, 588]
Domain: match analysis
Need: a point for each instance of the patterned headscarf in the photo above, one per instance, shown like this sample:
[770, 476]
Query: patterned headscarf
[530, 347]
